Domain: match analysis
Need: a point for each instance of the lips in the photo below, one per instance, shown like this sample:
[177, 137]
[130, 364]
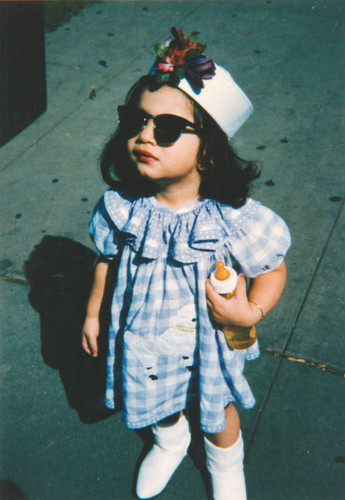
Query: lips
[144, 155]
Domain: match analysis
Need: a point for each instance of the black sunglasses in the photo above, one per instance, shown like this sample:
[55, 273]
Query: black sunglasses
[167, 128]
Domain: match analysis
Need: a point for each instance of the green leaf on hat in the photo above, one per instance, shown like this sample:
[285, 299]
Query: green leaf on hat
[192, 53]
[194, 36]
[179, 72]
[160, 49]
[162, 77]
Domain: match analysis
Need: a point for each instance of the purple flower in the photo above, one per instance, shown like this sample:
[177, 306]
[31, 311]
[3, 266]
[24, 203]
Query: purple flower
[199, 69]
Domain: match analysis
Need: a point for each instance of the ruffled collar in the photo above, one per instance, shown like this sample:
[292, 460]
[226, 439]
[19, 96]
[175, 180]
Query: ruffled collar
[154, 230]
[181, 210]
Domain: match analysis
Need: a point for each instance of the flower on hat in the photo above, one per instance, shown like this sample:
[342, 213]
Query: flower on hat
[182, 57]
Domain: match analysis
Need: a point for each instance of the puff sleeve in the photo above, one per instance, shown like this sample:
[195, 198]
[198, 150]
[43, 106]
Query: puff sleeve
[260, 245]
[102, 231]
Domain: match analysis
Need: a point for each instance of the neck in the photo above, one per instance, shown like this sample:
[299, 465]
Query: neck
[177, 197]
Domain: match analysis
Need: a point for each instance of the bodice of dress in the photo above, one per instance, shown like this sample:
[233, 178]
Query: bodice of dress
[255, 236]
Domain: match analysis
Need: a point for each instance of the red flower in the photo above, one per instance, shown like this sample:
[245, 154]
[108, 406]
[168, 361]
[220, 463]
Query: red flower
[182, 57]
[179, 48]
[166, 65]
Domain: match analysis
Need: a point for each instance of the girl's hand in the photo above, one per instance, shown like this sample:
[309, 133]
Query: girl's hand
[90, 335]
[234, 311]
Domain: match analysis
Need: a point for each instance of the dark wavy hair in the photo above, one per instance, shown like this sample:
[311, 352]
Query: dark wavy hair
[225, 177]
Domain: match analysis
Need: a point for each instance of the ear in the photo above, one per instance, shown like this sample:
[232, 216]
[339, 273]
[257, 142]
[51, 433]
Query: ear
[200, 167]
[204, 163]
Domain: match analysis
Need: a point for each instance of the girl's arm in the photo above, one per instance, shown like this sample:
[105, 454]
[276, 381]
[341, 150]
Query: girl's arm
[245, 310]
[91, 326]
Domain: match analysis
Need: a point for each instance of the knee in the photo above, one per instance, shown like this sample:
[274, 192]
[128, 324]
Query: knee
[231, 413]
[230, 434]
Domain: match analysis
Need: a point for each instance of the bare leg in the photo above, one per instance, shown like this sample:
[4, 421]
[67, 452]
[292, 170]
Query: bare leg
[230, 434]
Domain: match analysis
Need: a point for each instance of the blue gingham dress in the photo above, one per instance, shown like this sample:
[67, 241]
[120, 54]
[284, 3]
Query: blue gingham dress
[164, 354]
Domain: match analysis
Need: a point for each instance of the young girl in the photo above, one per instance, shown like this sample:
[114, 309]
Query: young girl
[178, 200]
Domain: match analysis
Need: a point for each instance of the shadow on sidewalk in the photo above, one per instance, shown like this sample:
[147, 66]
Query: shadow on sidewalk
[60, 273]
[10, 491]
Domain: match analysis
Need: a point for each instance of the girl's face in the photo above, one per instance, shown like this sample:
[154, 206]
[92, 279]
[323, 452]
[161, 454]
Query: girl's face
[166, 166]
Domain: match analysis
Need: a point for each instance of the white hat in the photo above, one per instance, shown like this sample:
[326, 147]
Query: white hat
[180, 60]
[223, 99]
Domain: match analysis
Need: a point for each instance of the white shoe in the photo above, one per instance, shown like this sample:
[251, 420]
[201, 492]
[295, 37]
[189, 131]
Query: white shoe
[226, 468]
[169, 448]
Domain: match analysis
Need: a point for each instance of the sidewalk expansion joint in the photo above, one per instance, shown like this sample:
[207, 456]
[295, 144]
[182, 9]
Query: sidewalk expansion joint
[313, 278]
[313, 364]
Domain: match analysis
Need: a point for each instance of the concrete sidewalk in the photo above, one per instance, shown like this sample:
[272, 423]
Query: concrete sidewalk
[58, 441]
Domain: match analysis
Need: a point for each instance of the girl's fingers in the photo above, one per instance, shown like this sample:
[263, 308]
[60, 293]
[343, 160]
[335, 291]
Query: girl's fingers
[241, 288]
[208, 286]
[213, 299]
[211, 294]
[90, 345]
[84, 343]
[93, 347]
[90, 334]
[86, 347]
[94, 352]
[217, 305]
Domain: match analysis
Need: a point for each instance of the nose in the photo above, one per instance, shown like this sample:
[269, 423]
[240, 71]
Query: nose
[146, 133]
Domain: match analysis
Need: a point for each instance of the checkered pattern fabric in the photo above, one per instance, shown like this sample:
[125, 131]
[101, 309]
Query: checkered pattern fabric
[164, 354]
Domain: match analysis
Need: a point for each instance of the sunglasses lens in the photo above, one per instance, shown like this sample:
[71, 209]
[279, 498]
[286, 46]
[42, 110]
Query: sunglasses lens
[168, 129]
[131, 120]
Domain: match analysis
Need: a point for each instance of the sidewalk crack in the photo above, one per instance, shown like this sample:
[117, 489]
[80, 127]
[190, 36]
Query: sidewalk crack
[308, 362]
[312, 280]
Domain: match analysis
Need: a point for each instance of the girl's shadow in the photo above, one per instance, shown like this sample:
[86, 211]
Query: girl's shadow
[60, 274]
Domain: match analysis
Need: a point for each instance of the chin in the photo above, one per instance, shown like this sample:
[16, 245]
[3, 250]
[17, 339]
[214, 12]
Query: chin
[147, 171]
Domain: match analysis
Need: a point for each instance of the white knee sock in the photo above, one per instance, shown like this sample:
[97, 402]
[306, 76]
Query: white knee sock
[169, 448]
[226, 468]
